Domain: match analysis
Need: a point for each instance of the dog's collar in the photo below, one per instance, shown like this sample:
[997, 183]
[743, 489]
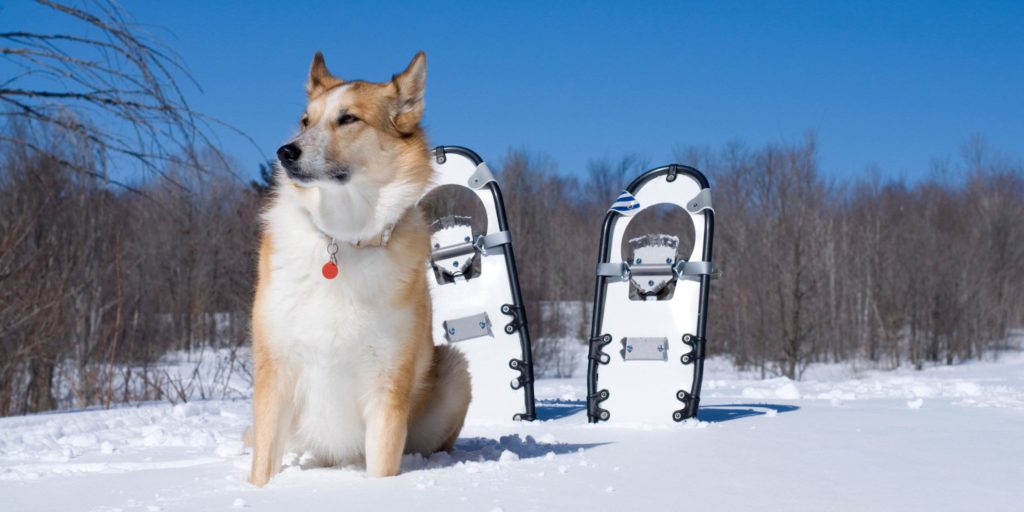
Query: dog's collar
[381, 240]
[330, 269]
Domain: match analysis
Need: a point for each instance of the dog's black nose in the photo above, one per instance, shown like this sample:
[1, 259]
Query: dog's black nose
[288, 154]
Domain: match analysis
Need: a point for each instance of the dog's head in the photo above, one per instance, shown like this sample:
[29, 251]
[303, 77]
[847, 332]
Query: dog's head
[360, 158]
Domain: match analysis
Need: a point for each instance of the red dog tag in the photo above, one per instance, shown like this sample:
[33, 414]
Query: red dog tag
[330, 270]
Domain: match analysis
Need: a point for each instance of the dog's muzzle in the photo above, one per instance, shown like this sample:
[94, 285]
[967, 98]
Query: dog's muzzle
[289, 155]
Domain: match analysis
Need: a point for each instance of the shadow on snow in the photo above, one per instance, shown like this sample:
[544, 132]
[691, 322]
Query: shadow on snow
[485, 450]
[728, 412]
[556, 409]
[553, 409]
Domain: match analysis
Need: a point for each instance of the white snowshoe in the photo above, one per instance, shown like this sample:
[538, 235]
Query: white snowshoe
[475, 292]
[649, 322]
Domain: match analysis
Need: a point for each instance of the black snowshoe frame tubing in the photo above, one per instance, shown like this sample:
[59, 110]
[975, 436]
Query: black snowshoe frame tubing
[440, 155]
[672, 172]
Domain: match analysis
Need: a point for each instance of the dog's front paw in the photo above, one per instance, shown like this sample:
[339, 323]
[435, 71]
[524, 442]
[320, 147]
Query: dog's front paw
[378, 469]
[379, 473]
[260, 474]
[259, 479]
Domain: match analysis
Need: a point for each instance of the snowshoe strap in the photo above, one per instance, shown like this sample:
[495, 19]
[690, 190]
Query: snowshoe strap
[481, 245]
[622, 270]
[695, 268]
[485, 242]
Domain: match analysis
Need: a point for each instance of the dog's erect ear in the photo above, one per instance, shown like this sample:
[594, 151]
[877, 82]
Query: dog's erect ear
[410, 84]
[320, 79]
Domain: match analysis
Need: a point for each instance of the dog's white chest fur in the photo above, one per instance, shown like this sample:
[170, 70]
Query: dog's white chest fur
[336, 338]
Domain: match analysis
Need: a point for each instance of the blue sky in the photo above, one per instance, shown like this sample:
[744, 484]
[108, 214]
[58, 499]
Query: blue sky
[889, 83]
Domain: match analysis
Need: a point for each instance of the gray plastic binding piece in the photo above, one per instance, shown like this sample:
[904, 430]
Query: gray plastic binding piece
[480, 177]
[700, 202]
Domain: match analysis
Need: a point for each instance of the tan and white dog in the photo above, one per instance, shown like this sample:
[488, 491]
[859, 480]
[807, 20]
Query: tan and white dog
[345, 365]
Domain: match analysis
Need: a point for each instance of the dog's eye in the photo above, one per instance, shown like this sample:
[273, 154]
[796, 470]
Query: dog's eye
[305, 121]
[347, 119]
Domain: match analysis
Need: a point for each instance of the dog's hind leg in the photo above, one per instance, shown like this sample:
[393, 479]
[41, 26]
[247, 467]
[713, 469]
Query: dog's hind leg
[440, 420]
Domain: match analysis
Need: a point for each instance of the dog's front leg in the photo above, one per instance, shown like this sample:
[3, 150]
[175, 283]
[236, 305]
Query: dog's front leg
[386, 429]
[270, 414]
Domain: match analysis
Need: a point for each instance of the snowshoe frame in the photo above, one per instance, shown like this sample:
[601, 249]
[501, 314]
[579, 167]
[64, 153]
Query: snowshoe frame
[496, 241]
[608, 266]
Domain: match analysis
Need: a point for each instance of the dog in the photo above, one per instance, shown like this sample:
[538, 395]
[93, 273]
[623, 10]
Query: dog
[345, 363]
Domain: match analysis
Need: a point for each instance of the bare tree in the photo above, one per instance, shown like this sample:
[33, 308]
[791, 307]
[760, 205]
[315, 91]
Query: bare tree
[96, 286]
[111, 86]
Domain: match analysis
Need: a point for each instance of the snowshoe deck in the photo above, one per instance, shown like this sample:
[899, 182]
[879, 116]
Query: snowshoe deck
[475, 292]
[650, 309]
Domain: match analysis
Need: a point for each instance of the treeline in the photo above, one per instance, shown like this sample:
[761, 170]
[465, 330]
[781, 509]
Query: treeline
[98, 283]
[881, 272]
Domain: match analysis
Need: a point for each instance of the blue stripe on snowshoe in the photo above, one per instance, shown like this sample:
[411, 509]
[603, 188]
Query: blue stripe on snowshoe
[625, 204]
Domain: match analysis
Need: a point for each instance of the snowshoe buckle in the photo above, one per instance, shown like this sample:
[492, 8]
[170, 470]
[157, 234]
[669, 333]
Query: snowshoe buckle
[452, 241]
[650, 251]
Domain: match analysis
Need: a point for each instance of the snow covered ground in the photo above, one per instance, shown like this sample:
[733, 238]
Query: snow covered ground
[948, 438]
